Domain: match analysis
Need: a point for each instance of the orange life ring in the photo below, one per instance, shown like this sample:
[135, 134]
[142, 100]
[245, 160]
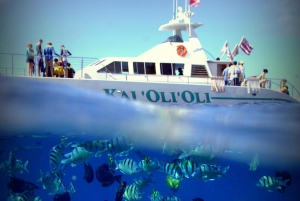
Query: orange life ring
[181, 50]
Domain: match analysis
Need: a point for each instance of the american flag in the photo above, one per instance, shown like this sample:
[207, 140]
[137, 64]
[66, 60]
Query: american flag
[194, 3]
[245, 46]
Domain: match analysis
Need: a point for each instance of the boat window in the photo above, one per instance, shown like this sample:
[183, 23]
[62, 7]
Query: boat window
[166, 68]
[150, 68]
[118, 67]
[111, 67]
[175, 38]
[171, 68]
[125, 67]
[178, 69]
[138, 67]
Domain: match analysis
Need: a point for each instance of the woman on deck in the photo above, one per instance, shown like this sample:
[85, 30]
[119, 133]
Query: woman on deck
[29, 59]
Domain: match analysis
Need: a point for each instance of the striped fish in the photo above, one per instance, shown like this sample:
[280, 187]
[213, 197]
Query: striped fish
[19, 167]
[132, 193]
[77, 155]
[172, 169]
[52, 183]
[170, 198]
[92, 146]
[202, 152]
[210, 172]
[120, 145]
[271, 183]
[128, 166]
[188, 168]
[149, 165]
[143, 182]
[56, 154]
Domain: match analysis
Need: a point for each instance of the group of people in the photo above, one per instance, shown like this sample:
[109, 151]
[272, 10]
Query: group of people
[234, 74]
[49, 70]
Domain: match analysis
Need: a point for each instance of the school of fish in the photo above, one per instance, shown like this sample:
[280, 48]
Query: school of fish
[195, 162]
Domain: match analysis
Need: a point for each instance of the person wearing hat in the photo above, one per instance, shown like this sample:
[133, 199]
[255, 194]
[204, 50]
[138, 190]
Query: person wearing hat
[262, 79]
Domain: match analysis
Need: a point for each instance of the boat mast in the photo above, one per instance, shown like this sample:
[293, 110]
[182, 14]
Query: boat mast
[175, 4]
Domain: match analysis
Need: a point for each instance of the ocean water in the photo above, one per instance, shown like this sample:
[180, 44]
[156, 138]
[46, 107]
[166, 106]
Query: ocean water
[35, 118]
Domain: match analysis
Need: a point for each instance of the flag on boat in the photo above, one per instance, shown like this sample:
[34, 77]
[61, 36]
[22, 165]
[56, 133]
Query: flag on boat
[194, 3]
[225, 49]
[245, 46]
[235, 51]
[229, 55]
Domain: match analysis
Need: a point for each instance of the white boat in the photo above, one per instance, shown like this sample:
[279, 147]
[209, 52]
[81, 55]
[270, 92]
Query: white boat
[154, 77]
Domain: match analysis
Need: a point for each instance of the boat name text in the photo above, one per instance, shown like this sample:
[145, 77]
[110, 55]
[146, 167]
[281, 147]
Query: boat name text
[155, 96]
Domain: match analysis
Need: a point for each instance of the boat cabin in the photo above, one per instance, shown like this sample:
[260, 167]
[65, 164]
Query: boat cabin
[172, 60]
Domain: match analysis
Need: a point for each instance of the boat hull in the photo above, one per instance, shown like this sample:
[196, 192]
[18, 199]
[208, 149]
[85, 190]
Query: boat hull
[160, 93]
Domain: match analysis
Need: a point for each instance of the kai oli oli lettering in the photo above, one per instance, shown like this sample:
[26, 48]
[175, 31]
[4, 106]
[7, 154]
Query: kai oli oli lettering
[164, 97]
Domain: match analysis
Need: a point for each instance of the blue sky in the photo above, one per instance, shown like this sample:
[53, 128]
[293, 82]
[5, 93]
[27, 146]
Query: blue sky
[95, 28]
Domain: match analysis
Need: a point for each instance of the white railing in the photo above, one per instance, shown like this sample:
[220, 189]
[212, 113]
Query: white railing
[151, 78]
[275, 85]
[15, 64]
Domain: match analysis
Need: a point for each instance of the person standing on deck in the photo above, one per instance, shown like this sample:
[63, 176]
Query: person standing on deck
[64, 53]
[225, 74]
[48, 52]
[29, 59]
[234, 72]
[39, 54]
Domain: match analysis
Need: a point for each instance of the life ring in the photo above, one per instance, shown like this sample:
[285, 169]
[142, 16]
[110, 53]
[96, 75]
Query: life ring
[181, 50]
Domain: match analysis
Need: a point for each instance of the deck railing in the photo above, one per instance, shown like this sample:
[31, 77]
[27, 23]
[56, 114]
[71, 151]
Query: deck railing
[15, 64]
[275, 85]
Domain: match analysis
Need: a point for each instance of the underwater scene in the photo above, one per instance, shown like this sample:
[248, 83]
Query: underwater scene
[64, 143]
